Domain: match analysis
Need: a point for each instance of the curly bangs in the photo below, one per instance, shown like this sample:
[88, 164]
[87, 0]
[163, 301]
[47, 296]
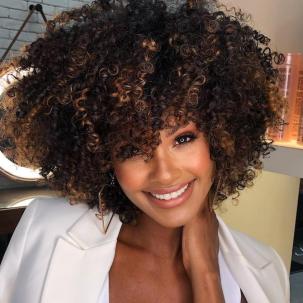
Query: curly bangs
[106, 78]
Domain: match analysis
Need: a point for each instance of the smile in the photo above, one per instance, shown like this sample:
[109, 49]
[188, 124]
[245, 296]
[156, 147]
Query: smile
[172, 199]
[171, 195]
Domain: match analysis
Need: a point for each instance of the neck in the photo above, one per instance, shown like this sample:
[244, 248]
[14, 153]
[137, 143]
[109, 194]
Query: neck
[153, 238]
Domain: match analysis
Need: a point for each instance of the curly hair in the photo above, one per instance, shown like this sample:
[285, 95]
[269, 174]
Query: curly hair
[105, 78]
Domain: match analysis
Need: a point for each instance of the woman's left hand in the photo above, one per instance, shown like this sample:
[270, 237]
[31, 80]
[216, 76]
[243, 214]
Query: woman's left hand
[200, 243]
[200, 247]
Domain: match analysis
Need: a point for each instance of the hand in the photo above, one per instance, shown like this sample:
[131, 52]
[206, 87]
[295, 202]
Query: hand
[200, 248]
[200, 243]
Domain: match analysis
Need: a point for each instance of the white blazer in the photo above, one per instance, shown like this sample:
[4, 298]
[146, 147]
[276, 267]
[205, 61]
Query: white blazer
[58, 254]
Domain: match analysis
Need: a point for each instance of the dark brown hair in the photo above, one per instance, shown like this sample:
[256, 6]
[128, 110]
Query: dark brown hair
[106, 78]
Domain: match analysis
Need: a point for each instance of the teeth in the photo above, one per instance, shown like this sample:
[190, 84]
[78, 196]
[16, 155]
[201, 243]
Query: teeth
[172, 195]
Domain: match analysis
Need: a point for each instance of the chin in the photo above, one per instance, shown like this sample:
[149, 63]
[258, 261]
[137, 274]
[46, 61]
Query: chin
[175, 221]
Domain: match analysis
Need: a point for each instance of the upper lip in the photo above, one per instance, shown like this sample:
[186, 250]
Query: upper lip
[167, 190]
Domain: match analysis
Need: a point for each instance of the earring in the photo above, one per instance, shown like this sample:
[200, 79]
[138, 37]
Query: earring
[210, 204]
[101, 214]
[112, 179]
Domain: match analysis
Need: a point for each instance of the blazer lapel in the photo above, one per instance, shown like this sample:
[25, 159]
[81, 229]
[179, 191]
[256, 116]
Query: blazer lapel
[81, 261]
[249, 267]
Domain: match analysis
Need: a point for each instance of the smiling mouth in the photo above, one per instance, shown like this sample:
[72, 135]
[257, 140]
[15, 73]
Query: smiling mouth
[172, 194]
[172, 200]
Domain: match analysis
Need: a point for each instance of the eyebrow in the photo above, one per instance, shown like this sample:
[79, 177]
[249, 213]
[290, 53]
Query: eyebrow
[172, 130]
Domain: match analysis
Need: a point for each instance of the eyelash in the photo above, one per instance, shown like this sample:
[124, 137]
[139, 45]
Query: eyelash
[190, 135]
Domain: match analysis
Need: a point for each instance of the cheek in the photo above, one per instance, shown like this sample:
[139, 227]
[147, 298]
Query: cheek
[199, 162]
[203, 166]
[128, 177]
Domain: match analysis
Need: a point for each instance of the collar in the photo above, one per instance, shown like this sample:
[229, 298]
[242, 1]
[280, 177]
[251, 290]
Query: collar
[81, 261]
[87, 230]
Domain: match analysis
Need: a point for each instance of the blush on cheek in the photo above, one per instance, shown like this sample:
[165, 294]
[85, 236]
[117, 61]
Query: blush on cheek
[201, 163]
[128, 177]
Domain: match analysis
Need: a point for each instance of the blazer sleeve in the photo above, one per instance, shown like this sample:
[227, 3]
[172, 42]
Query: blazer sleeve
[14, 252]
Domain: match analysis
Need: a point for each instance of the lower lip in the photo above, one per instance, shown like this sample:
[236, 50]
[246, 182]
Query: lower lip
[172, 202]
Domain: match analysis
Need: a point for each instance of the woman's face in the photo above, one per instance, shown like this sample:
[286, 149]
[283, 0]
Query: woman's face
[182, 158]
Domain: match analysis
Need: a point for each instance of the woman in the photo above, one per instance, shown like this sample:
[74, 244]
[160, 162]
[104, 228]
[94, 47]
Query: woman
[150, 117]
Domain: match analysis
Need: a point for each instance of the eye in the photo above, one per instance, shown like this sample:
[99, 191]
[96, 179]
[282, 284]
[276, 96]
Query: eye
[186, 138]
[128, 151]
[133, 151]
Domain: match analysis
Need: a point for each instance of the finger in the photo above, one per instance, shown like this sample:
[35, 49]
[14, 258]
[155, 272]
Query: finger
[213, 218]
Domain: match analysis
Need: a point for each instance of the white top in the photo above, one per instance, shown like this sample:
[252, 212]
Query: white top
[231, 289]
[59, 254]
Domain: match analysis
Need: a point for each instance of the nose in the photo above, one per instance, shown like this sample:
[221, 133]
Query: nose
[164, 168]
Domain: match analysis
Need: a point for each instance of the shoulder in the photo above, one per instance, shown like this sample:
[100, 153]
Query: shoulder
[255, 247]
[251, 245]
[29, 251]
[251, 248]
[51, 215]
[57, 208]
[259, 255]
